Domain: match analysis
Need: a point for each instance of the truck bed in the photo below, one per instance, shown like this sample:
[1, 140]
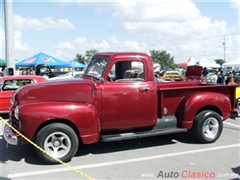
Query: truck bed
[170, 94]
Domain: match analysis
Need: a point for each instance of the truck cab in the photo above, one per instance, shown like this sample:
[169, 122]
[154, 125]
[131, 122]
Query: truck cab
[118, 80]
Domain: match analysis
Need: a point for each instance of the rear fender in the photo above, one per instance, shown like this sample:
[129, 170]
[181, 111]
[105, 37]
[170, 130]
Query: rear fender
[192, 103]
[83, 116]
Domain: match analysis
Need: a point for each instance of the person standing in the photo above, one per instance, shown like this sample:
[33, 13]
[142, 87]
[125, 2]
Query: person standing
[220, 79]
[231, 78]
[4, 72]
[17, 72]
[205, 72]
[31, 72]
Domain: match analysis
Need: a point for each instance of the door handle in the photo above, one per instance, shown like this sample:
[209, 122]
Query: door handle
[143, 89]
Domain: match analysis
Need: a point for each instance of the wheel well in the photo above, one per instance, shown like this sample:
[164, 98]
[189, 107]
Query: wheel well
[64, 121]
[212, 108]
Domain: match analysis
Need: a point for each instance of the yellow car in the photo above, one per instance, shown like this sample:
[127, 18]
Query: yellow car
[238, 100]
[172, 76]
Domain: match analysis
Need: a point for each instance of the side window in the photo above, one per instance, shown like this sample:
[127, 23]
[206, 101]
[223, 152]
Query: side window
[112, 73]
[127, 71]
[138, 69]
[44, 70]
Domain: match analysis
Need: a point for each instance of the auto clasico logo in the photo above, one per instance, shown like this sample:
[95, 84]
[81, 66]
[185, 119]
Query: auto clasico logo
[187, 174]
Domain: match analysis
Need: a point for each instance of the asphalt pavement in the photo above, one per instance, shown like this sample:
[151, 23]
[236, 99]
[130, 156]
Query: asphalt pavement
[175, 156]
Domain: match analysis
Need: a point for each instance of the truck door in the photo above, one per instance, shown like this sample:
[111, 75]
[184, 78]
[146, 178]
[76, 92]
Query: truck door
[128, 102]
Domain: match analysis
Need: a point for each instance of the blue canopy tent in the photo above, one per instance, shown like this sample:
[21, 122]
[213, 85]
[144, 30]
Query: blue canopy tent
[41, 58]
[74, 64]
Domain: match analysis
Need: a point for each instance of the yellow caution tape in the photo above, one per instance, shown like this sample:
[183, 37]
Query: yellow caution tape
[39, 148]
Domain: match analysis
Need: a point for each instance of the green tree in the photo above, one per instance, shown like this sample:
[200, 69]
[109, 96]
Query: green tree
[80, 58]
[89, 53]
[219, 61]
[163, 58]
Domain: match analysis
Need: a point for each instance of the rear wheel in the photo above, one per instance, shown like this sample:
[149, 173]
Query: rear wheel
[207, 126]
[59, 140]
[238, 106]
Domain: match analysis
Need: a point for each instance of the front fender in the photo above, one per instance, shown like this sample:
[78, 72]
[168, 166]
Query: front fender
[192, 103]
[83, 116]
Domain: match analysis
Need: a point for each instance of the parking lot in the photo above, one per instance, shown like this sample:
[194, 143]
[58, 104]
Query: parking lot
[175, 156]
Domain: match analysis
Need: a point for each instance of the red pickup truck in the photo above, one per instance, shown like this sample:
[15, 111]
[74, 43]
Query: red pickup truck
[115, 101]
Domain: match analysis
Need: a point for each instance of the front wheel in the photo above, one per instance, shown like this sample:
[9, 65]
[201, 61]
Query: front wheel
[207, 126]
[59, 140]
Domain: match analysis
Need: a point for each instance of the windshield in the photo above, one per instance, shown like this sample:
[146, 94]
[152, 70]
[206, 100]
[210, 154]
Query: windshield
[96, 67]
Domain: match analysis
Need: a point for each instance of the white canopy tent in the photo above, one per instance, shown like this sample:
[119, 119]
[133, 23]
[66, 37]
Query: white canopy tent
[235, 63]
[190, 62]
[204, 62]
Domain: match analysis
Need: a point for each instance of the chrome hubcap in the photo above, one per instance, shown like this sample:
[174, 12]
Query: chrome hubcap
[211, 128]
[57, 144]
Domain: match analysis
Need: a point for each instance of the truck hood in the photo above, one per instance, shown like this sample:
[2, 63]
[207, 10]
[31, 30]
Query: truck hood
[74, 90]
[194, 71]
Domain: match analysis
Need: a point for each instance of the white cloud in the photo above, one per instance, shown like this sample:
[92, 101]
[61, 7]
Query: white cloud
[20, 48]
[18, 45]
[236, 5]
[164, 19]
[179, 27]
[81, 44]
[159, 11]
[65, 45]
[99, 10]
[21, 23]
[80, 41]
[176, 26]
[113, 39]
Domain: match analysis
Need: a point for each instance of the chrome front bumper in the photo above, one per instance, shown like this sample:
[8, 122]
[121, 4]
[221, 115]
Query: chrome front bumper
[10, 136]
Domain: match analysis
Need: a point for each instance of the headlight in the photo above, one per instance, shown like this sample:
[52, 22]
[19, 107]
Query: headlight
[12, 101]
[16, 113]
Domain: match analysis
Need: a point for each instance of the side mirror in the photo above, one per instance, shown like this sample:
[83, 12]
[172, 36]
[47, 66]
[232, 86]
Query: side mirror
[101, 80]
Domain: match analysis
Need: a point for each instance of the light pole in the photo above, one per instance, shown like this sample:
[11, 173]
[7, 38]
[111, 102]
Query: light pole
[203, 51]
[9, 37]
[224, 47]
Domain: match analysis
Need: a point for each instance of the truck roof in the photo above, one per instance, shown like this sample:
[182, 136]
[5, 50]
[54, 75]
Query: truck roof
[122, 54]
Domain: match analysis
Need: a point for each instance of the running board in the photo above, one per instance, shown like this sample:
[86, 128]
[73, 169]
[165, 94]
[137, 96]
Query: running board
[141, 134]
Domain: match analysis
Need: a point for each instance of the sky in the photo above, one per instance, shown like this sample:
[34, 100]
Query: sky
[184, 28]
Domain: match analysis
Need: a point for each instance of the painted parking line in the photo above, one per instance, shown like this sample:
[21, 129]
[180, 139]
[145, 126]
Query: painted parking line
[123, 161]
[232, 124]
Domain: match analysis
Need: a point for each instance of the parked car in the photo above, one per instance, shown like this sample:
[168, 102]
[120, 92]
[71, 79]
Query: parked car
[211, 77]
[170, 75]
[194, 73]
[72, 74]
[9, 84]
